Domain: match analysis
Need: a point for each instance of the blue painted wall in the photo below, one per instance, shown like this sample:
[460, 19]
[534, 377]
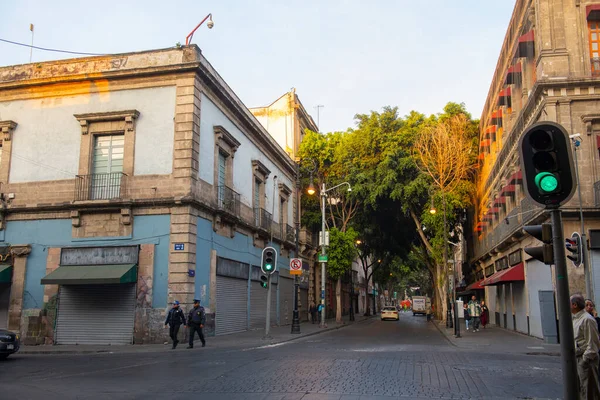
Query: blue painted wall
[42, 234]
[239, 248]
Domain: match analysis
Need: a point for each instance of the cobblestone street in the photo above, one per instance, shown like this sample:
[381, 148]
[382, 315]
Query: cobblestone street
[372, 359]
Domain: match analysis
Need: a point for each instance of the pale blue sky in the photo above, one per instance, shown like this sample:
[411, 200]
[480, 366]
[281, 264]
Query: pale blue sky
[351, 56]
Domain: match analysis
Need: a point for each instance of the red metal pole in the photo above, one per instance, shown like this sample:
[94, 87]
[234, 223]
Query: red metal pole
[188, 38]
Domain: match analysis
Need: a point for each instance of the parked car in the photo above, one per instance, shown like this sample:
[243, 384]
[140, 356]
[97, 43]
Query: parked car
[390, 312]
[9, 343]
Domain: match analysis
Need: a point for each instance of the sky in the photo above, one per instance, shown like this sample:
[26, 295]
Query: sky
[350, 56]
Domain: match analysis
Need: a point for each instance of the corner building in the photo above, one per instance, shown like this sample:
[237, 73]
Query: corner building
[130, 181]
[548, 70]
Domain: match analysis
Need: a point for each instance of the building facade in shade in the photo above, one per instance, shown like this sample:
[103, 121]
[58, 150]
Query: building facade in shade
[130, 181]
[287, 120]
[548, 70]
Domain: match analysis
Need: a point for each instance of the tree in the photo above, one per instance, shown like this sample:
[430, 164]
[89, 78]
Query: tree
[340, 257]
[444, 153]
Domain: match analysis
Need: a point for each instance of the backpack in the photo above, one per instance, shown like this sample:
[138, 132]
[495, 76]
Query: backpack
[467, 315]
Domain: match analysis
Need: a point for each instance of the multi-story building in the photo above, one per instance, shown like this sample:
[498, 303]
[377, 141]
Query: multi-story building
[130, 181]
[287, 120]
[548, 70]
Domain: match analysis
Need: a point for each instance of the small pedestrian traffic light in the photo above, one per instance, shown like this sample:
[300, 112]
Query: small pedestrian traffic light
[269, 260]
[574, 245]
[547, 164]
[544, 253]
[264, 281]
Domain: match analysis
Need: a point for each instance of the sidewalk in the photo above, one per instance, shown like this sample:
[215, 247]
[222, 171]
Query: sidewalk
[497, 340]
[242, 340]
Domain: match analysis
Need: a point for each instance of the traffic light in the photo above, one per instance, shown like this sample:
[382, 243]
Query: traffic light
[544, 253]
[264, 281]
[269, 260]
[547, 164]
[574, 245]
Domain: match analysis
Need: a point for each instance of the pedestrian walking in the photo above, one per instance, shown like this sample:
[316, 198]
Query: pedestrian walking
[485, 314]
[196, 320]
[175, 318]
[313, 313]
[585, 330]
[475, 313]
[320, 310]
[467, 316]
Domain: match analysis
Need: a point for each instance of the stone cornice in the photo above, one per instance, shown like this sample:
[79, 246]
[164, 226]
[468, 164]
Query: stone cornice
[7, 128]
[222, 134]
[127, 115]
[259, 167]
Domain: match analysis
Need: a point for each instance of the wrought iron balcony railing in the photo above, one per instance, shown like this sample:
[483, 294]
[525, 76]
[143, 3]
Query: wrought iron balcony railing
[228, 200]
[290, 233]
[99, 186]
[262, 218]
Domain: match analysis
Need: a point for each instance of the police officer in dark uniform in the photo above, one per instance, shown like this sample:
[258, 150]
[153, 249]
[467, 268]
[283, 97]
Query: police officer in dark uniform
[196, 320]
[175, 318]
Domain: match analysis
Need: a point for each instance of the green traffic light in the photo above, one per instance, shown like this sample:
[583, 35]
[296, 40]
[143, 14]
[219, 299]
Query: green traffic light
[546, 182]
[264, 284]
[268, 267]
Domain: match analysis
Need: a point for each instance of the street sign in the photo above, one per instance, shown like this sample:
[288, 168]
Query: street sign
[322, 294]
[178, 246]
[326, 238]
[323, 258]
[295, 266]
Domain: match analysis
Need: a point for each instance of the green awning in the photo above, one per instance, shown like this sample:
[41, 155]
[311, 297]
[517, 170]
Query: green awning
[91, 275]
[5, 273]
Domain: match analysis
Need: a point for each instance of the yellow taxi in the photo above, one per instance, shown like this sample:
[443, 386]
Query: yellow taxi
[390, 313]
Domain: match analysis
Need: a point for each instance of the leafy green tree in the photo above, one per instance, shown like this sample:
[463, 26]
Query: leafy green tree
[341, 254]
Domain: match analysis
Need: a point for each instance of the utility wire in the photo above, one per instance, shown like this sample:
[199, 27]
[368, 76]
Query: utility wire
[47, 49]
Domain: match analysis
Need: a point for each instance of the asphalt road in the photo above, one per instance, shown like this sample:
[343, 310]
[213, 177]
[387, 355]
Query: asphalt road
[374, 359]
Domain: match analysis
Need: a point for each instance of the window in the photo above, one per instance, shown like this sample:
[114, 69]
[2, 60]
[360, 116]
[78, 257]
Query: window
[107, 166]
[256, 202]
[594, 39]
[221, 177]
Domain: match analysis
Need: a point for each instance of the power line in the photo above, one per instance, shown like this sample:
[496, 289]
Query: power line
[47, 49]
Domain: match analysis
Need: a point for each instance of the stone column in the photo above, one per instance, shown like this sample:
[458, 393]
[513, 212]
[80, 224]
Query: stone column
[183, 233]
[50, 294]
[147, 325]
[15, 309]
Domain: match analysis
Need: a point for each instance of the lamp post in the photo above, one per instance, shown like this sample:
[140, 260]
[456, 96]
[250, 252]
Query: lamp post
[456, 320]
[323, 251]
[295, 315]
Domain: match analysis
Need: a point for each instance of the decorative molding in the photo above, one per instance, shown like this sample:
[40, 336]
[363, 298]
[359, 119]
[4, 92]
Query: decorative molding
[126, 216]
[224, 137]
[76, 218]
[129, 116]
[260, 168]
[283, 188]
[7, 128]
[20, 250]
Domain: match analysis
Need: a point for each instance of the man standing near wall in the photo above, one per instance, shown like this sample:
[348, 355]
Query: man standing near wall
[196, 320]
[585, 331]
[475, 313]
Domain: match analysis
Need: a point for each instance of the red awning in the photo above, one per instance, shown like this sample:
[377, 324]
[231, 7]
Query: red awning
[592, 12]
[504, 97]
[481, 156]
[526, 46]
[475, 286]
[493, 210]
[517, 176]
[485, 143]
[508, 189]
[513, 74]
[500, 200]
[513, 274]
[491, 129]
[479, 224]
[505, 92]
[497, 114]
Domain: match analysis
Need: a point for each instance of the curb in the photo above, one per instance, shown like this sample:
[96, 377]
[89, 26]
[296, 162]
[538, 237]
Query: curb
[444, 334]
[131, 348]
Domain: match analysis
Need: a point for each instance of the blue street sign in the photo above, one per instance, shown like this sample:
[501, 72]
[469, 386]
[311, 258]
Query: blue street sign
[322, 294]
[178, 246]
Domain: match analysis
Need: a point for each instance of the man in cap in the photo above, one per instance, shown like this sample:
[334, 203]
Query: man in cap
[175, 318]
[196, 320]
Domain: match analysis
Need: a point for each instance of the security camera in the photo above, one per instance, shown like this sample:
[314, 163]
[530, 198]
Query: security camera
[349, 189]
[210, 24]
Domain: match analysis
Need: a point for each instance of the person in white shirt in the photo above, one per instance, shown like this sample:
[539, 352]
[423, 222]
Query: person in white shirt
[587, 343]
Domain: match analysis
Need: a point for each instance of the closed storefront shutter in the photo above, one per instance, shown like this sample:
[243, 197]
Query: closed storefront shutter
[258, 306]
[539, 277]
[95, 314]
[273, 305]
[4, 301]
[232, 305]
[286, 300]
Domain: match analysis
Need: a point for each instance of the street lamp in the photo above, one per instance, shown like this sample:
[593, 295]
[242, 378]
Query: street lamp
[323, 251]
[209, 24]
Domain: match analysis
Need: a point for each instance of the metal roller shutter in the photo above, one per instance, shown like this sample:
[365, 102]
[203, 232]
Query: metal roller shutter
[4, 302]
[258, 305]
[305, 306]
[232, 305]
[286, 300]
[96, 314]
[273, 304]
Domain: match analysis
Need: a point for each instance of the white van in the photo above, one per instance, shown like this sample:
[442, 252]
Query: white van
[421, 305]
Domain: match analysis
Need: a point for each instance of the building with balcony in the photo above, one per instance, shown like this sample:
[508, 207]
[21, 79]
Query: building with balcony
[547, 71]
[287, 120]
[130, 181]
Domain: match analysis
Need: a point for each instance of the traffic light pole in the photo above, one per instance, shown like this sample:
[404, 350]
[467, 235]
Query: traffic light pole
[565, 324]
[323, 195]
[268, 319]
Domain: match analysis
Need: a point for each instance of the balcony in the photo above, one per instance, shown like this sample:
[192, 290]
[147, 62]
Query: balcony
[99, 186]
[290, 233]
[262, 218]
[228, 200]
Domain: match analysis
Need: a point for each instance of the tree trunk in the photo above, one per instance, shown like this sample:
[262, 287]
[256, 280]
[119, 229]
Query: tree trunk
[338, 297]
